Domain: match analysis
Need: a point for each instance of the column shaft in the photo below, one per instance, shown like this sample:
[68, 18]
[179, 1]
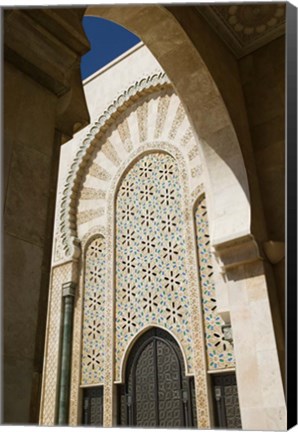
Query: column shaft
[63, 407]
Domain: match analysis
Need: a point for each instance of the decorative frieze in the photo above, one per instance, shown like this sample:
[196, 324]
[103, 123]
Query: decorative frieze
[197, 171]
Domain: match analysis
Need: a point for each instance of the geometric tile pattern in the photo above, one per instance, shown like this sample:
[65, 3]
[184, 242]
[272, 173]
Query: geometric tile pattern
[93, 347]
[151, 277]
[220, 353]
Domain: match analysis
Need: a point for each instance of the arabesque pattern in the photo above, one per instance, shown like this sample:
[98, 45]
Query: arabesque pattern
[220, 353]
[93, 345]
[151, 277]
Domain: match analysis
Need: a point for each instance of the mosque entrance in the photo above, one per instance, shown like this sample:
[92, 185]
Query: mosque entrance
[156, 392]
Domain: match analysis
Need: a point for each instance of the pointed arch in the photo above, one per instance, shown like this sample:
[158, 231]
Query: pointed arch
[131, 344]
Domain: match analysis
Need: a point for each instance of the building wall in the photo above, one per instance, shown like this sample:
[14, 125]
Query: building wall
[34, 86]
[263, 80]
[224, 68]
[28, 215]
[253, 89]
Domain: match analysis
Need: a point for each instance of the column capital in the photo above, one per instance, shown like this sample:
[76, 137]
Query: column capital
[68, 289]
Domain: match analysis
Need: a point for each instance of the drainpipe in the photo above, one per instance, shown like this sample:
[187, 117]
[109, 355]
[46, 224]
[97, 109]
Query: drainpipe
[68, 293]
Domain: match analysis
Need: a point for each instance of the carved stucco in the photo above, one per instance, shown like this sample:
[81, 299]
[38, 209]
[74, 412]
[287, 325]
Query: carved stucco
[246, 27]
[67, 243]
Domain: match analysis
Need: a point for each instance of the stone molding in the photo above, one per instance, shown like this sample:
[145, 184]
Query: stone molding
[237, 252]
[32, 37]
[67, 217]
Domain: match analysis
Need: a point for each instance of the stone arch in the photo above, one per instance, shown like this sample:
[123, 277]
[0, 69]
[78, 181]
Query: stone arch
[68, 222]
[98, 233]
[229, 218]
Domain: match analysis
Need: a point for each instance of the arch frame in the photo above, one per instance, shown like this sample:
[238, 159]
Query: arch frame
[145, 338]
[67, 229]
[136, 337]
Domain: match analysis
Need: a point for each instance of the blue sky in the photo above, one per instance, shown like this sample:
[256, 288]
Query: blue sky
[108, 41]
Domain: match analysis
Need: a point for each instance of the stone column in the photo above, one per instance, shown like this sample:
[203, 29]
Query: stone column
[43, 102]
[68, 293]
[259, 380]
[60, 289]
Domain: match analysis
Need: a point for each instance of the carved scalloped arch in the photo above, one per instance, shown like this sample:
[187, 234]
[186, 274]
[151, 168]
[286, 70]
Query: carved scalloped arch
[67, 219]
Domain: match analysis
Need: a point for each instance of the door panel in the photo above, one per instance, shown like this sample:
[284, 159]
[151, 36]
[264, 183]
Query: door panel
[169, 387]
[93, 406]
[144, 391]
[227, 403]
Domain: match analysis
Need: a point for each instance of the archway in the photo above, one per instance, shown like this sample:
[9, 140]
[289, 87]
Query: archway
[206, 110]
[156, 392]
[229, 207]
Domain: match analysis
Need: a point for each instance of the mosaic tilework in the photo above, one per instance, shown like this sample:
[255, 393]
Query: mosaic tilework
[151, 276]
[93, 348]
[219, 352]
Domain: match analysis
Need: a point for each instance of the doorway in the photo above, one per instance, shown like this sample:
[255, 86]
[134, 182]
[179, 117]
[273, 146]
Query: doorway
[156, 392]
[227, 415]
